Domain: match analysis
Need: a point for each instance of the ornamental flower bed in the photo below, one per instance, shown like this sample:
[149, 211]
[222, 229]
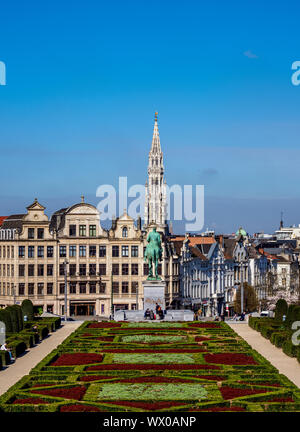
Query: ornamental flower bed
[79, 408]
[230, 359]
[77, 359]
[66, 393]
[161, 366]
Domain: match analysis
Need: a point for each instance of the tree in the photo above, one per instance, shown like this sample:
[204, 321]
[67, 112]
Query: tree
[250, 299]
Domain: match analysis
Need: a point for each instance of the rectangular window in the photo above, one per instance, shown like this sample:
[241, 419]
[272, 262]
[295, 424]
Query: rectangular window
[40, 269]
[92, 269]
[30, 251]
[115, 287]
[82, 269]
[49, 288]
[82, 288]
[61, 269]
[31, 233]
[72, 251]
[125, 251]
[72, 230]
[21, 289]
[82, 230]
[40, 251]
[31, 289]
[102, 251]
[92, 230]
[134, 287]
[159, 268]
[102, 287]
[115, 251]
[102, 308]
[134, 269]
[49, 269]
[62, 251]
[92, 250]
[30, 269]
[102, 269]
[21, 251]
[124, 287]
[115, 269]
[61, 288]
[40, 288]
[73, 288]
[92, 287]
[72, 269]
[12, 251]
[49, 251]
[146, 269]
[125, 269]
[21, 270]
[40, 233]
[82, 251]
[134, 251]
[8, 252]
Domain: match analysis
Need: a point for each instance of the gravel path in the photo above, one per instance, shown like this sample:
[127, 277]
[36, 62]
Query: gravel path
[288, 366]
[22, 366]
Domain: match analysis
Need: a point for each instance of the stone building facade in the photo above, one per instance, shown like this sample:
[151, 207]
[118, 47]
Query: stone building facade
[100, 267]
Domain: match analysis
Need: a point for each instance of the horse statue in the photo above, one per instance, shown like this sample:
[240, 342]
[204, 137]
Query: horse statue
[153, 253]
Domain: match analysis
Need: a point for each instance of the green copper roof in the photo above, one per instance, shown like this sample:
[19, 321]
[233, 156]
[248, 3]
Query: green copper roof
[241, 231]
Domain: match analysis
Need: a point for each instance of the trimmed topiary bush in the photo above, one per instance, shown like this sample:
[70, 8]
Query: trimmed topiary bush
[281, 309]
[289, 348]
[6, 318]
[14, 318]
[27, 309]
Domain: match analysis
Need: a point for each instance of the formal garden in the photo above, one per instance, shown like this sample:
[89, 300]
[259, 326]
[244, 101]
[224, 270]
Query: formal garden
[23, 330]
[279, 329]
[165, 367]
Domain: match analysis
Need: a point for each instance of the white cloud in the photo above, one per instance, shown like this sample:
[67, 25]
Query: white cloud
[250, 54]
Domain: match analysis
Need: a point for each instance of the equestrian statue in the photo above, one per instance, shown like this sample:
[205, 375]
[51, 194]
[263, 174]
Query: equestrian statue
[153, 253]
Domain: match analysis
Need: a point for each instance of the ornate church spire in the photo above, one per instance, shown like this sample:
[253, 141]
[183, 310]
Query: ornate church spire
[155, 200]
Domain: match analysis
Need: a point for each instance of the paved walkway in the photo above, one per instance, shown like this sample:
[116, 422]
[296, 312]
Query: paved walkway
[22, 366]
[288, 366]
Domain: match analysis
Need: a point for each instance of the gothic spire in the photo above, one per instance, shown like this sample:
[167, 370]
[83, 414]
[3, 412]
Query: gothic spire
[155, 148]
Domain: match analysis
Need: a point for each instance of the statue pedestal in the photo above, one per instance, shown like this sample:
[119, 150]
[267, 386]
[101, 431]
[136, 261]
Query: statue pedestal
[154, 292]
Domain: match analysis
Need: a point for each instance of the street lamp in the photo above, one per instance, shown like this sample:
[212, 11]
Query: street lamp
[112, 297]
[66, 290]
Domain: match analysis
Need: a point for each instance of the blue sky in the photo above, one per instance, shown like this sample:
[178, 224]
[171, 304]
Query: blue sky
[85, 78]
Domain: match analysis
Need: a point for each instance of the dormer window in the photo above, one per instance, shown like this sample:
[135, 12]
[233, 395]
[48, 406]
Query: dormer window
[125, 232]
[31, 233]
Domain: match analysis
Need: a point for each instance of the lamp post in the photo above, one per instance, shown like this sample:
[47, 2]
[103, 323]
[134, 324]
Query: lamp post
[242, 289]
[111, 297]
[66, 290]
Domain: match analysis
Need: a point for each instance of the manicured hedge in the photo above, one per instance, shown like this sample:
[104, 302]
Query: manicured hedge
[281, 309]
[27, 309]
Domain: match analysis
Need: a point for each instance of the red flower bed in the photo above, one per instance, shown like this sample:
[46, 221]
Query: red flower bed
[205, 325]
[287, 399]
[104, 325]
[212, 377]
[201, 339]
[147, 366]
[146, 405]
[33, 401]
[231, 393]
[86, 335]
[261, 383]
[218, 409]
[230, 359]
[89, 378]
[79, 408]
[43, 385]
[77, 359]
[153, 351]
[67, 393]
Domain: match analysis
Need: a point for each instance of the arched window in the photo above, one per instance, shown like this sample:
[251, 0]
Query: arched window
[125, 232]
